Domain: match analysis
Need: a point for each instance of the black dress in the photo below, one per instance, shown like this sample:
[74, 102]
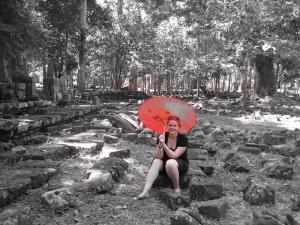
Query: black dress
[183, 162]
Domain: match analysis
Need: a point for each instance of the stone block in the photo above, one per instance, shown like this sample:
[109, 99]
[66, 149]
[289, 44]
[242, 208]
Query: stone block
[57, 199]
[20, 86]
[252, 150]
[120, 153]
[205, 190]
[58, 96]
[186, 216]
[4, 197]
[16, 216]
[130, 137]
[215, 209]
[258, 194]
[55, 151]
[263, 147]
[174, 200]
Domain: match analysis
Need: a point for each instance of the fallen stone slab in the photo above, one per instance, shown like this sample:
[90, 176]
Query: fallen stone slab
[130, 120]
[99, 181]
[22, 128]
[116, 167]
[286, 150]
[32, 123]
[19, 150]
[115, 151]
[174, 200]
[296, 203]
[204, 190]
[215, 209]
[54, 118]
[236, 163]
[39, 164]
[196, 144]
[57, 199]
[258, 193]
[263, 147]
[35, 139]
[65, 116]
[195, 170]
[7, 124]
[130, 137]
[266, 217]
[120, 153]
[78, 128]
[207, 169]
[4, 197]
[85, 135]
[16, 216]
[84, 147]
[56, 151]
[252, 150]
[44, 119]
[121, 122]
[271, 139]
[145, 139]
[278, 170]
[198, 154]
[110, 139]
[186, 216]
[11, 158]
[37, 176]
[14, 187]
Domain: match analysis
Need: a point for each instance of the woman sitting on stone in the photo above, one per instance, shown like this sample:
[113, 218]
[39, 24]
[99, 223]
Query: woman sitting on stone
[171, 156]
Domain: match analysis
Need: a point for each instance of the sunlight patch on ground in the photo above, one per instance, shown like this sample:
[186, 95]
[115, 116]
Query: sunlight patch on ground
[91, 158]
[68, 183]
[290, 124]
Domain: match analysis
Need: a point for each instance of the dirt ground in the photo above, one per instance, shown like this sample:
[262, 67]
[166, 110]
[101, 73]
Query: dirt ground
[119, 207]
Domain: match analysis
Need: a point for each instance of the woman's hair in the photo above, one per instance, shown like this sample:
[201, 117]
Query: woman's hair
[175, 118]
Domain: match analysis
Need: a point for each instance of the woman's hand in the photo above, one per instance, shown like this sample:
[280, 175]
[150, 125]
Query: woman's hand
[161, 139]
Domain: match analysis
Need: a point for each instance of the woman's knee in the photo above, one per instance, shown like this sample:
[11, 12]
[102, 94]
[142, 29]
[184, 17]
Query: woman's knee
[171, 163]
[157, 162]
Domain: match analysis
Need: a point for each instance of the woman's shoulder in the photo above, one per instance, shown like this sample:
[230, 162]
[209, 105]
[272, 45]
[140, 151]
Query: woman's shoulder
[182, 136]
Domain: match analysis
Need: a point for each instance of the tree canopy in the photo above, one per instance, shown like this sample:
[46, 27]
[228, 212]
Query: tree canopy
[179, 41]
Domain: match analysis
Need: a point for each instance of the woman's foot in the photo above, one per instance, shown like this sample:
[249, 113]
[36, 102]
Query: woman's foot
[177, 190]
[142, 196]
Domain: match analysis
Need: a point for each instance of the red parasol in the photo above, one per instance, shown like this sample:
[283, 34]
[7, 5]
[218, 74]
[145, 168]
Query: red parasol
[155, 111]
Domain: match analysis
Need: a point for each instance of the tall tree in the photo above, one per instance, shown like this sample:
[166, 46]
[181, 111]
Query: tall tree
[82, 47]
[20, 37]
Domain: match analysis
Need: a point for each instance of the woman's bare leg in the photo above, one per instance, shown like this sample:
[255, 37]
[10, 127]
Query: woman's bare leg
[173, 173]
[156, 166]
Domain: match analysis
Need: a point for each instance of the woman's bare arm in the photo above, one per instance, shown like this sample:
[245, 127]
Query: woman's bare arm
[174, 154]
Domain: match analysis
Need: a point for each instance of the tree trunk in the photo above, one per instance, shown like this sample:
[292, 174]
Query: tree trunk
[168, 84]
[147, 84]
[244, 89]
[190, 88]
[50, 68]
[82, 47]
[229, 83]
[263, 66]
[245, 83]
[276, 77]
[159, 84]
[155, 83]
[65, 61]
[4, 72]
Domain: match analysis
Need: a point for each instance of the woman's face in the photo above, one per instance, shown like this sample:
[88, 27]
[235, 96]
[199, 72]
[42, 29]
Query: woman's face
[173, 126]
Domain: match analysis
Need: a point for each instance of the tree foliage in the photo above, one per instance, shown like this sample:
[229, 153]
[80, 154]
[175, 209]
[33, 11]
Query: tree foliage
[177, 41]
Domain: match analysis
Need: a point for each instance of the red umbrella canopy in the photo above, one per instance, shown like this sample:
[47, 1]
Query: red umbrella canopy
[155, 111]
